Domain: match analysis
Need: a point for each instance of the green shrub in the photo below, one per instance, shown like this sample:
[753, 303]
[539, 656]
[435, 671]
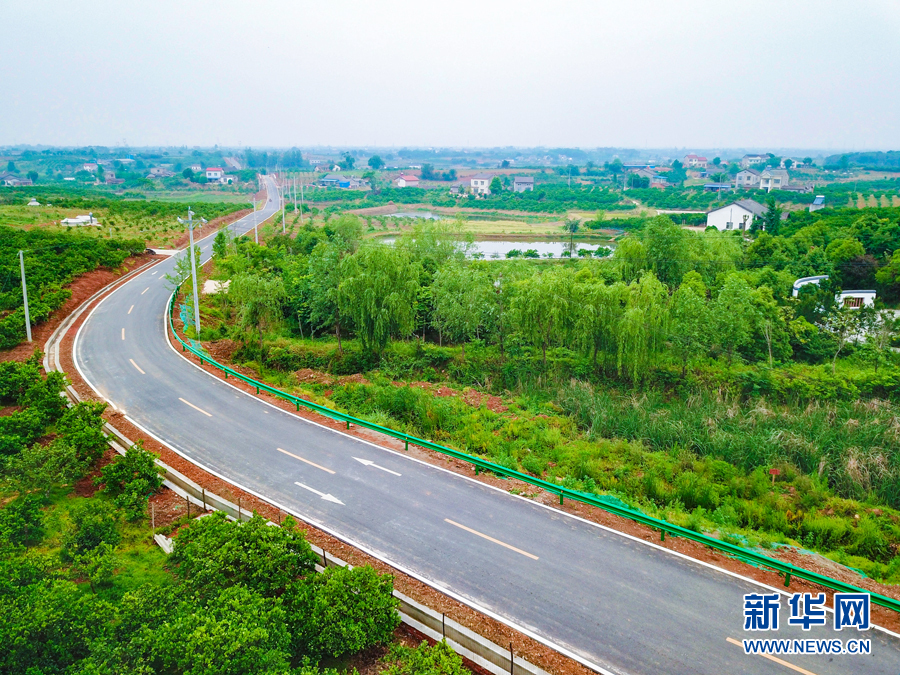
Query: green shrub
[92, 522]
[213, 553]
[343, 611]
[131, 479]
[82, 426]
[21, 521]
[439, 659]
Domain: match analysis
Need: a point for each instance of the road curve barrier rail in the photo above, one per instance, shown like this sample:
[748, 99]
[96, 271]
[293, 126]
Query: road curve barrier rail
[787, 570]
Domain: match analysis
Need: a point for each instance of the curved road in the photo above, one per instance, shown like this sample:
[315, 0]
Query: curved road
[620, 604]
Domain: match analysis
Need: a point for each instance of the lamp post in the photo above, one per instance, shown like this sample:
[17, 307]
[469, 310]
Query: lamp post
[25, 295]
[190, 223]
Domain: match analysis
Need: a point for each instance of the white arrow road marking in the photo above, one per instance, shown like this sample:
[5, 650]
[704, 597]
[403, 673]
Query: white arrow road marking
[369, 462]
[327, 498]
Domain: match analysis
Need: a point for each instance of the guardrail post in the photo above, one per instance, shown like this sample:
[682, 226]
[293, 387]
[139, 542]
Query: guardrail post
[348, 426]
[182, 346]
[560, 498]
[787, 579]
[406, 445]
[476, 469]
[662, 535]
[204, 499]
[298, 406]
[257, 390]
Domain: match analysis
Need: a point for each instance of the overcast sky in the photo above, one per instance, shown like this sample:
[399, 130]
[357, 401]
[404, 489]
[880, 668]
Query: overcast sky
[633, 73]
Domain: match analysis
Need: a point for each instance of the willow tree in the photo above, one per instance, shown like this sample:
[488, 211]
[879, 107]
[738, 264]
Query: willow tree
[543, 306]
[689, 323]
[462, 298]
[259, 301]
[642, 330]
[600, 308]
[378, 290]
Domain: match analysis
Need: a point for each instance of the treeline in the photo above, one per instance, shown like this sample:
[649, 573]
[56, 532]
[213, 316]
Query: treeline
[665, 292]
[52, 259]
[544, 199]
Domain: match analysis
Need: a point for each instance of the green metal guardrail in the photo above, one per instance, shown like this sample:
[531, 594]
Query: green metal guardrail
[751, 557]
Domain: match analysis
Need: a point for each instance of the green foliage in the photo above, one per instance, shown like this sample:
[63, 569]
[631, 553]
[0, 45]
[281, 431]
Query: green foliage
[21, 521]
[214, 553]
[131, 479]
[439, 659]
[52, 259]
[81, 426]
[37, 468]
[378, 290]
[93, 522]
[344, 610]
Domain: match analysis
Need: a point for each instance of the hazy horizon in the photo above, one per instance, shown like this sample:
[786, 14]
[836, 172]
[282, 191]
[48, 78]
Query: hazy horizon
[809, 76]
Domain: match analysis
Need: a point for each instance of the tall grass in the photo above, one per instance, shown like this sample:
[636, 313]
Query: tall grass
[853, 446]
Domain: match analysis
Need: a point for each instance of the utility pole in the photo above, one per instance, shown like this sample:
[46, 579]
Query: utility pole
[255, 231]
[282, 204]
[25, 295]
[190, 224]
[301, 200]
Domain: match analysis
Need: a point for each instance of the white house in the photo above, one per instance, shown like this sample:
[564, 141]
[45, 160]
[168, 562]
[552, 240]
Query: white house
[749, 160]
[818, 203]
[160, 172]
[481, 183]
[523, 184]
[34, 202]
[695, 162]
[90, 166]
[79, 221]
[856, 299]
[737, 215]
[845, 299]
[214, 174]
[803, 281]
[405, 180]
[747, 178]
[196, 168]
[773, 179]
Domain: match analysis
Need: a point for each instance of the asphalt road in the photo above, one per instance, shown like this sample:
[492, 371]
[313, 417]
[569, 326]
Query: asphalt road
[612, 601]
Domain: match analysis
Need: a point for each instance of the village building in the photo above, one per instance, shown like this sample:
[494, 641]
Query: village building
[774, 179]
[737, 215]
[523, 184]
[481, 183]
[406, 180]
[747, 178]
[695, 162]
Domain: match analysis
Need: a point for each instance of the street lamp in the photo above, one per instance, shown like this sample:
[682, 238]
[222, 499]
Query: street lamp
[190, 223]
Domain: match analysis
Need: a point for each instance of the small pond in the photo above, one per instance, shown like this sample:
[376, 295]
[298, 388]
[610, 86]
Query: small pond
[493, 249]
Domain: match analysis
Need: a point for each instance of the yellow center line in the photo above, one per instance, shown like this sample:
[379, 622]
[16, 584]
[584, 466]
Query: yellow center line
[137, 366]
[130, 308]
[290, 454]
[194, 407]
[145, 290]
[803, 671]
[123, 333]
[496, 541]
